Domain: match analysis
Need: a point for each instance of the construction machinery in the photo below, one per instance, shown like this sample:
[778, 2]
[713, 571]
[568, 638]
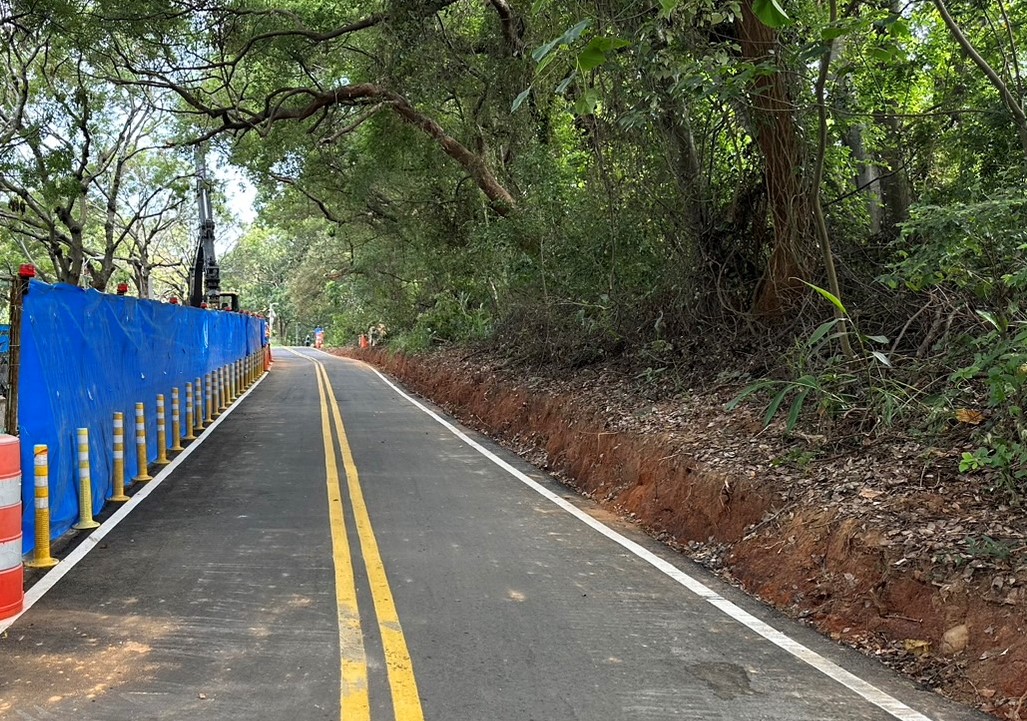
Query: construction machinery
[205, 280]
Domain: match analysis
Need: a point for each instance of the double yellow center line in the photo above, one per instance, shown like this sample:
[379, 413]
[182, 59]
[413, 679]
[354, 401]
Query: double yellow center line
[354, 698]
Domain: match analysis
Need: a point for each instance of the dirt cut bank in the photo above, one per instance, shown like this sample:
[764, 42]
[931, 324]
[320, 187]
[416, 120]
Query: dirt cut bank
[876, 551]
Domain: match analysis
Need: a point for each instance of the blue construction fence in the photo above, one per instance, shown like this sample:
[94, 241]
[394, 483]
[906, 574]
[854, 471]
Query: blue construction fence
[84, 356]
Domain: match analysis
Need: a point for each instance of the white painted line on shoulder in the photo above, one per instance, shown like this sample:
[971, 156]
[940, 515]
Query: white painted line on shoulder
[40, 587]
[830, 669]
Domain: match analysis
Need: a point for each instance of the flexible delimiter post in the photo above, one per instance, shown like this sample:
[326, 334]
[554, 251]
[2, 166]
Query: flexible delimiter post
[220, 373]
[176, 422]
[189, 402]
[41, 557]
[144, 472]
[209, 381]
[85, 484]
[119, 458]
[162, 435]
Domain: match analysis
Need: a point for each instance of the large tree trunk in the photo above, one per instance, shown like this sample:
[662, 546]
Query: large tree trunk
[683, 160]
[896, 194]
[867, 171]
[142, 278]
[866, 175]
[777, 134]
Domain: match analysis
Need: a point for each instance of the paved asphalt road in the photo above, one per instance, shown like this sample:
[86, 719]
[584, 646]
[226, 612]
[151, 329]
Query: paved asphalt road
[403, 575]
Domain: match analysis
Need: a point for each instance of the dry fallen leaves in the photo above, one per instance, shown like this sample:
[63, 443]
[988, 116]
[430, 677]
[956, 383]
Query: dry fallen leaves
[917, 647]
[972, 417]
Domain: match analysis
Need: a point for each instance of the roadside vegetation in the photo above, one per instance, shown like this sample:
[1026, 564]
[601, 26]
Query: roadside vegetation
[813, 211]
[823, 203]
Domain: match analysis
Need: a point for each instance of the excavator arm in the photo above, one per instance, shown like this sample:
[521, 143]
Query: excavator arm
[205, 280]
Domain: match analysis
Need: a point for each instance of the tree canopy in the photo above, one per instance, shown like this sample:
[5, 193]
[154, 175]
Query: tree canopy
[674, 182]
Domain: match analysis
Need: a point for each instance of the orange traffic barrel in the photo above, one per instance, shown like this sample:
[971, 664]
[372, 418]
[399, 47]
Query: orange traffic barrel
[12, 595]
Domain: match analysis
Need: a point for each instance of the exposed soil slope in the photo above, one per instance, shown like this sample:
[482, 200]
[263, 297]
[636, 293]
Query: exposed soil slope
[881, 545]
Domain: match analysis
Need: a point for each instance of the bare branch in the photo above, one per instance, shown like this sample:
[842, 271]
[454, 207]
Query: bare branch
[513, 29]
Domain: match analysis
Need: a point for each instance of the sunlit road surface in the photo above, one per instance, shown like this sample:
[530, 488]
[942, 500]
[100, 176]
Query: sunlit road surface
[333, 551]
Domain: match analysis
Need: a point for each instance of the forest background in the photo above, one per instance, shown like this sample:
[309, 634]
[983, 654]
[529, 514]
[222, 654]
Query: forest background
[828, 193]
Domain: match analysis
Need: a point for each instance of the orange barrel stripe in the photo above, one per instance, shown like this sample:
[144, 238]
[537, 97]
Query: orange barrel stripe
[12, 597]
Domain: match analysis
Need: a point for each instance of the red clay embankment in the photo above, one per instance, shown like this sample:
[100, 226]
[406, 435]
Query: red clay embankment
[849, 572]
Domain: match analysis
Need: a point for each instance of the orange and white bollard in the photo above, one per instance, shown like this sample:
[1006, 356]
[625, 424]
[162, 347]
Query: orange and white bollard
[162, 434]
[119, 459]
[41, 557]
[144, 471]
[176, 422]
[12, 595]
[189, 420]
[85, 485]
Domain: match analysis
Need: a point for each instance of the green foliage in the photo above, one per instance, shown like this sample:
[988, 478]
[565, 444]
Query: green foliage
[997, 380]
[836, 384]
[974, 246]
[988, 548]
[770, 13]
[798, 457]
[647, 218]
[453, 318]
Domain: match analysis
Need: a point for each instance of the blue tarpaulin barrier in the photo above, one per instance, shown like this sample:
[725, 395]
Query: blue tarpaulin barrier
[86, 355]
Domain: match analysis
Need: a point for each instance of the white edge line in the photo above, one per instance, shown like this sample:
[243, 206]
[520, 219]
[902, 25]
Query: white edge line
[48, 581]
[865, 689]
